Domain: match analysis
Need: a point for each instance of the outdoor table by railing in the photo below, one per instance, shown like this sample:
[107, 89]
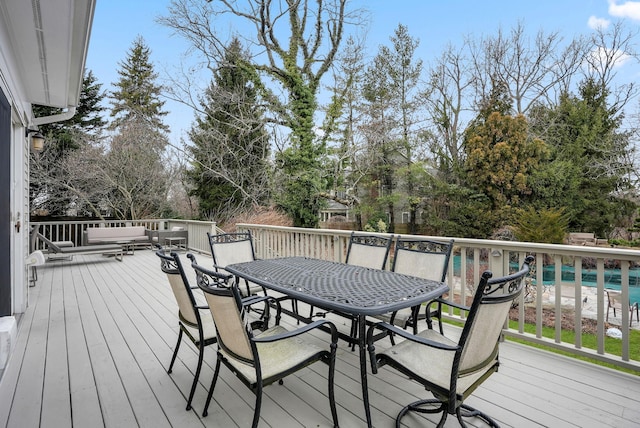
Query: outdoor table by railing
[340, 287]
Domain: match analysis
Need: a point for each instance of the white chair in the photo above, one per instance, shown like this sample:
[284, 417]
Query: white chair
[452, 369]
[370, 251]
[614, 301]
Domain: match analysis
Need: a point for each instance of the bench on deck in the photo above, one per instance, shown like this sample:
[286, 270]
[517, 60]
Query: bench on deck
[133, 235]
[108, 249]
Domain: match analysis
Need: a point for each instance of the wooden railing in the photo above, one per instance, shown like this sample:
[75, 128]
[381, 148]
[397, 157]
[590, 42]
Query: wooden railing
[551, 273]
[73, 230]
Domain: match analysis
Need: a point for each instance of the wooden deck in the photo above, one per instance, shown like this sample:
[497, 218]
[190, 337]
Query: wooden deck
[94, 344]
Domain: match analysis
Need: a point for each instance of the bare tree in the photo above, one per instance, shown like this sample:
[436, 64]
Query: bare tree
[609, 50]
[294, 43]
[534, 70]
[133, 172]
[79, 177]
[450, 83]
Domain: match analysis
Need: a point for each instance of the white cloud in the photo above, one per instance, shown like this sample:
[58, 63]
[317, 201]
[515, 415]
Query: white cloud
[603, 55]
[595, 23]
[628, 9]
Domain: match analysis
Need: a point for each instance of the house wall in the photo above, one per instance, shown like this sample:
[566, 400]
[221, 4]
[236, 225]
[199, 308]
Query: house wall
[16, 182]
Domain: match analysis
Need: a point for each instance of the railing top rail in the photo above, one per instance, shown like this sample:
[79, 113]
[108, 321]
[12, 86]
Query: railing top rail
[560, 249]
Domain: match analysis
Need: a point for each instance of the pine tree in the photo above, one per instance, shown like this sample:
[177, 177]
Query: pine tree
[48, 192]
[137, 96]
[87, 118]
[230, 145]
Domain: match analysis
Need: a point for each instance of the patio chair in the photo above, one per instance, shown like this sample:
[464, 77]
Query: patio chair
[230, 248]
[450, 369]
[425, 259]
[371, 251]
[614, 301]
[260, 359]
[194, 320]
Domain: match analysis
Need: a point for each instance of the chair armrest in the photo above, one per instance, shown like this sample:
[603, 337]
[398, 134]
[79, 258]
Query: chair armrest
[306, 328]
[253, 299]
[392, 329]
[268, 300]
[448, 303]
[407, 335]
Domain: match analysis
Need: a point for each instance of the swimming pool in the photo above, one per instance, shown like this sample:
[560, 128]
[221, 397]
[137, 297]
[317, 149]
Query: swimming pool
[612, 277]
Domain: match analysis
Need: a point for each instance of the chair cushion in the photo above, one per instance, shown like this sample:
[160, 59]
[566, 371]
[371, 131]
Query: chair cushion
[276, 357]
[432, 364]
[208, 327]
[401, 318]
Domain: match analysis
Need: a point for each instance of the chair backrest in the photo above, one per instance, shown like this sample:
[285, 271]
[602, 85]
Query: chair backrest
[230, 248]
[172, 267]
[51, 246]
[225, 303]
[488, 312]
[369, 251]
[614, 298]
[33, 239]
[422, 258]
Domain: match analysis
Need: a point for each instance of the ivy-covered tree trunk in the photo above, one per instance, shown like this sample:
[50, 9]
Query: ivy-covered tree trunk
[296, 44]
[301, 161]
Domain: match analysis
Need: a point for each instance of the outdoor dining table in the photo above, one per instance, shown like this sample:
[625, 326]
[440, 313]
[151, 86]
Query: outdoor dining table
[340, 287]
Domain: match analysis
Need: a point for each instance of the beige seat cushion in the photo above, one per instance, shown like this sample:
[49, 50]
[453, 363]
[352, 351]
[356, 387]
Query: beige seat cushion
[431, 363]
[276, 357]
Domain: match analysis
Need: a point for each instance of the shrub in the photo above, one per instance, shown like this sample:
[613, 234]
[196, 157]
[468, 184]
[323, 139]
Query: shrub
[546, 226]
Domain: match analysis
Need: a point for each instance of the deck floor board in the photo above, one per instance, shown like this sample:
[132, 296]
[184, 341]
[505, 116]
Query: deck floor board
[95, 342]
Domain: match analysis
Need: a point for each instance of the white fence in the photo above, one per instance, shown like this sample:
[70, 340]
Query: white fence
[551, 277]
[553, 274]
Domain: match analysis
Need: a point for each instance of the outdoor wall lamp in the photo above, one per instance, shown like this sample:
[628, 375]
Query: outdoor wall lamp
[37, 139]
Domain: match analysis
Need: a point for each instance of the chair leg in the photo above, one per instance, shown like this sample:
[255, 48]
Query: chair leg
[354, 333]
[196, 376]
[211, 388]
[175, 351]
[465, 411]
[416, 406]
[256, 412]
[332, 397]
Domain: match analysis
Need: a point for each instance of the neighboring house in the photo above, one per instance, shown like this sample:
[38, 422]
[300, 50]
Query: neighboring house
[43, 49]
[333, 210]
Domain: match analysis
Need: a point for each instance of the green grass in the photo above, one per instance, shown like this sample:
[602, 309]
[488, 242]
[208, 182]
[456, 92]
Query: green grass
[589, 341]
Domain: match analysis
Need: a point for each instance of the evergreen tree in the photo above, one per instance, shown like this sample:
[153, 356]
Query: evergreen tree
[587, 175]
[48, 193]
[500, 153]
[230, 146]
[379, 123]
[404, 73]
[137, 96]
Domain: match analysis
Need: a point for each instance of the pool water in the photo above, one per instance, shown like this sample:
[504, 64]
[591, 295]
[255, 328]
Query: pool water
[612, 277]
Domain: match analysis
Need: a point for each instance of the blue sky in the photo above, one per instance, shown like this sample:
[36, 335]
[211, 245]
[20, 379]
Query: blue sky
[436, 23]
